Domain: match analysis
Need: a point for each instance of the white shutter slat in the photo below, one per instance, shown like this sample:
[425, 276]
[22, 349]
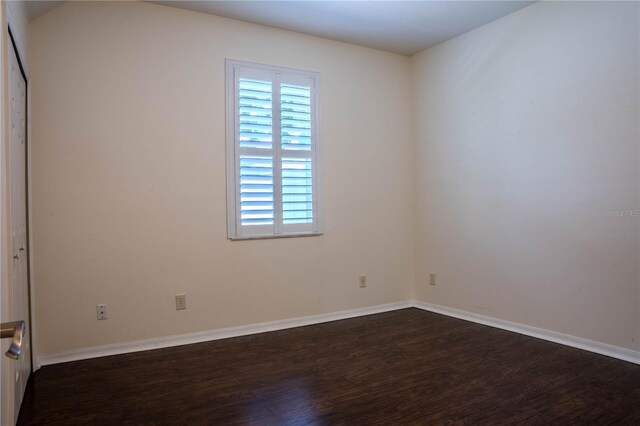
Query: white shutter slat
[256, 190]
[255, 113]
[295, 103]
[297, 190]
[255, 131]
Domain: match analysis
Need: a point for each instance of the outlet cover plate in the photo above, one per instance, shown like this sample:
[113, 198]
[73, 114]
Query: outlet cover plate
[101, 310]
[181, 301]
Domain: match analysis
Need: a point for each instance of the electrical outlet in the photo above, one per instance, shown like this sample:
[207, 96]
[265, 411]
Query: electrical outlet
[181, 301]
[362, 281]
[102, 311]
[432, 279]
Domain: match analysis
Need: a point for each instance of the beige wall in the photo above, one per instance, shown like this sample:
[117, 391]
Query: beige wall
[511, 141]
[128, 110]
[528, 134]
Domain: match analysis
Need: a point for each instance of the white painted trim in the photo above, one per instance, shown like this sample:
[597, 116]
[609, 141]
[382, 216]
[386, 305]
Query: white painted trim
[30, 245]
[205, 336]
[243, 330]
[552, 336]
[230, 148]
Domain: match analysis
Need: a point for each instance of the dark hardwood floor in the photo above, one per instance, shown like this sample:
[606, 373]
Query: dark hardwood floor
[397, 368]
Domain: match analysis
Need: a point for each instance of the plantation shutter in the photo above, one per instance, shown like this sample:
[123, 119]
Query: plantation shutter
[275, 152]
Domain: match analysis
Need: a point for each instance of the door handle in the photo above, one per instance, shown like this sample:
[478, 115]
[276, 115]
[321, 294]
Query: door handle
[15, 331]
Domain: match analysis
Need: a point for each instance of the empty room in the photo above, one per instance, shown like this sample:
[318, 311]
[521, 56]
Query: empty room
[320, 212]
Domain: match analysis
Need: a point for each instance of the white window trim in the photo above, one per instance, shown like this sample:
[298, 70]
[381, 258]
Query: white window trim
[232, 154]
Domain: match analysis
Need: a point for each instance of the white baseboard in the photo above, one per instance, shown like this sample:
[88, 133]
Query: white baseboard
[205, 336]
[552, 336]
[225, 333]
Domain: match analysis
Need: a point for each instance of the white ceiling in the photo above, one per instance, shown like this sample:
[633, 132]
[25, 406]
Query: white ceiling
[404, 27]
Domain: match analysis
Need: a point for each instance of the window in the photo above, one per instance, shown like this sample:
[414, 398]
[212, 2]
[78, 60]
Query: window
[272, 152]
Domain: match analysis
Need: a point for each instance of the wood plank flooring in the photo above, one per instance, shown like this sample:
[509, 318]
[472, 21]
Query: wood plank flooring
[406, 367]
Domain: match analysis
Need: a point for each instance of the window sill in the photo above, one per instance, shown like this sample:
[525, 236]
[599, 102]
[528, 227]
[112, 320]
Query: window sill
[270, 237]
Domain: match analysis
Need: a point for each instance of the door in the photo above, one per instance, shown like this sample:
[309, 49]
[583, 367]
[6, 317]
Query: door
[15, 306]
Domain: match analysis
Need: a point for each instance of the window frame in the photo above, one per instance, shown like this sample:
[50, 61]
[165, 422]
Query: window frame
[235, 230]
